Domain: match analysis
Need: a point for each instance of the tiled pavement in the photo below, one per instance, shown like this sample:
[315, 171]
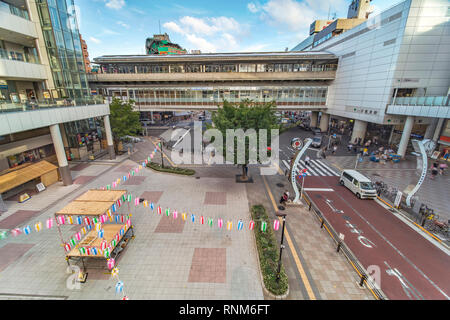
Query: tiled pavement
[402, 175]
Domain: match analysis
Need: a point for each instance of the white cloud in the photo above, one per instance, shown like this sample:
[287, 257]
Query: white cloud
[123, 24]
[115, 4]
[201, 43]
[173, 26]
[253, 8]
[95, 40]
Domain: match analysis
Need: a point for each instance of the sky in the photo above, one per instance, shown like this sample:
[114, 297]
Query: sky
[113, 27]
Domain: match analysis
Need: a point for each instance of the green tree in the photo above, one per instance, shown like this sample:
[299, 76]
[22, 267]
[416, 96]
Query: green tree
[124, 120]
[245, 115]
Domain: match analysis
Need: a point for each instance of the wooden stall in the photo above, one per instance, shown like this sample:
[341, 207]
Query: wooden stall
[47, 172]
[95, 203]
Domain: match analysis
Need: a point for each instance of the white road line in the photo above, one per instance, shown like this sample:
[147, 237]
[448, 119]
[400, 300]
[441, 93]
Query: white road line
[329, 168]
[318, 189]
[309, 171]
[181, 138]
[318, 169]
[324, 168]
[286, 164]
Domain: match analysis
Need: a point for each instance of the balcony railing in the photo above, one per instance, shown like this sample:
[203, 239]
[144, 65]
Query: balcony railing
[9, 106]
[19, 56]
[431, 101]
[9, 8]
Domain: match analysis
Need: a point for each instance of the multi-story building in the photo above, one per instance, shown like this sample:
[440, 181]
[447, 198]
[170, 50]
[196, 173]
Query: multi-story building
[394, 73]
[46, 110]
[203, 81]
[87, 63]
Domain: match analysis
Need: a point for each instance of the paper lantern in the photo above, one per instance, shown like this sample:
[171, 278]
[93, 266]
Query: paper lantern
[83, 230]
[106, 253]
[89, 227]
[82, 250]
[121, 232]
[276, 225]
[192, 217]
[98, 226]
[73, 241]
[108, 213]
[125, 298]
[113, 243]
[108, 187]
[88, 251]
[79, 220]
[114, 208]
[61, 220]
[69, 220]
[67, 247]
[132, 172]
[202, 220]
[184, 216]
[49, 223]
[119, 286]
[141, 165]
[229, 225]
[152, 206]
[146, 161]
[38, 226]
[175, 214]
[263, 226]
[27, 230]
[122, 219]
[220, 223]
[124, 178]
[117, 236]
[128, 223]
[151, 156]
[136, 201]
[3, 235]
[115, 272]
[251, 225]
[103, 218]
[94, 251]
[111, 263]
[240, 225]
[101, 233]
[167, 212]
[114, 184]
[95, 220]
[117, 219]
[15, 232]
[87, 221]
[145, 204]
[159, 210]
[210, 222]
[78, 236]
[103, 245]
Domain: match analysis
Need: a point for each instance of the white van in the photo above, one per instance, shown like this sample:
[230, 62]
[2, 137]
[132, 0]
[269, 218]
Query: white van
[358, 184]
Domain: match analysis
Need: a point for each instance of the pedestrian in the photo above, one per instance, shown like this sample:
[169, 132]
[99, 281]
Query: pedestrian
[442, 167]
[334, 149]
[284, 198]
[350, 147]
[434, 170]
[307, 161]
[323, 153]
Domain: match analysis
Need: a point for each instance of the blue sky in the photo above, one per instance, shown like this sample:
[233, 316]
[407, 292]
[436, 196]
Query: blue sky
[121, 26]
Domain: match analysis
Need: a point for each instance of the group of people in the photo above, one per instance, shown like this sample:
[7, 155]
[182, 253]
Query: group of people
[437, 168]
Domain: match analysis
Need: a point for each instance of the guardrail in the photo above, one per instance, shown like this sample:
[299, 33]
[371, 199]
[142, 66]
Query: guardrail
[38, 105]
[341, 246]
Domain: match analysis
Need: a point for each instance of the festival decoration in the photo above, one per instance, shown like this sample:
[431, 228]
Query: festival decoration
[210, 222]
[15, 232]
[251, 225]
[67, 247]
[184, 216]
[159, 210]
[69, 220]
[73, 241]
[175, 214]
[49, 223]
[145, 204]
[83, 230]
[87, 221]
[103, 245]
[79, 220]
[27, 230]
[3, 235]
[229, 225]
[167, 212]
[152, 206]
[38, 226]
[61, 220]
[119, 286]
[94, 251]
[263, 226]
[136, 202]
[219, 223]
[106, 253]
[115, 272]
[101, 233]
[240, 225]
[192, 217]
[78, 236]
[276, 225]
[202, 220]
[111, 263]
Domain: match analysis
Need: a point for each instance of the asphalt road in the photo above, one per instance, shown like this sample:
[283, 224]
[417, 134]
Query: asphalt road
[410, 267]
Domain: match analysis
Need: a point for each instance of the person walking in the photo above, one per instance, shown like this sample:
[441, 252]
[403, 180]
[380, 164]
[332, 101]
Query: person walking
[350, 147]
[307, 161]
[284, 197]
[442, 167]
[334, 149]
[434, 170]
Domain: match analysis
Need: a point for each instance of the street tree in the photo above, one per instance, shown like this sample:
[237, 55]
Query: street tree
[124, 120]
[245, 115]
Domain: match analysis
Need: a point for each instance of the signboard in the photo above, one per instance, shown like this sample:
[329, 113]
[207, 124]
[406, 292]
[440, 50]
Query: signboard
[3, 84]
[40, 187]
[46, 94]
[398, 199]
[435, 155]
[341, 236]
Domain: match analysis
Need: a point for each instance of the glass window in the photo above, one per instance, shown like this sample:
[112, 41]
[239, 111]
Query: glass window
[59, 39]
[65, 24]
[54, 17]
[61, 5]
[68, 41]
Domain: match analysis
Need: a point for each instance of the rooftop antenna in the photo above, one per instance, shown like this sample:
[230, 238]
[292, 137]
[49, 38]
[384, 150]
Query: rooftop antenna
[329, 7]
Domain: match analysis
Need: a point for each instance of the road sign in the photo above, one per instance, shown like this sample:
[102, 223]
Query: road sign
[296, 143]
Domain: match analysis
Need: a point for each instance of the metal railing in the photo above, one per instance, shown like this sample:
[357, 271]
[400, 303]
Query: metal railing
[341, 246]
[421, 101]
[9, 106]
[19, 56]
[9, 8]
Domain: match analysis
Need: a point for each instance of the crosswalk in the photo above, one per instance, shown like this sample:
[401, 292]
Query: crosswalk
[315, 168]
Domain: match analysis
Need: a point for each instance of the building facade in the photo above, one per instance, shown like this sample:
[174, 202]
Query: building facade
[394, 71]
[46, 110]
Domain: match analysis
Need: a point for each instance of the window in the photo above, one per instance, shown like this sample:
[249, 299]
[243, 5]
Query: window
[347, 176]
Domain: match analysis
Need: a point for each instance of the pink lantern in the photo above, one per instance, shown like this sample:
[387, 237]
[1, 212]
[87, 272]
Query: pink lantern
[103, 218]
[78, 236]
[111, 262]
[276, 225]
[49, 223]
[175, 214]
[15, 232]
[220, 223]
[129, 222]
[61, 220]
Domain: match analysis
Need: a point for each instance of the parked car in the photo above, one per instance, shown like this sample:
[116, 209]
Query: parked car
[358, 184]
[132, 139]
[316, 130]
[317, 141]
[304, 126]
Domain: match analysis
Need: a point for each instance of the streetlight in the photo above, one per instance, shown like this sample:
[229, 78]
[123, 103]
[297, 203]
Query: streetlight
[283, 215]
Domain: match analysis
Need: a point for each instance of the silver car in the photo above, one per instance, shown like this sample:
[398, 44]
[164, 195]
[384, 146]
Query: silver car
[317, 141]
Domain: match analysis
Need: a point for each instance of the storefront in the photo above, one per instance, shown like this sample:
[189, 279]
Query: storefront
[84, 138]
[444, 142]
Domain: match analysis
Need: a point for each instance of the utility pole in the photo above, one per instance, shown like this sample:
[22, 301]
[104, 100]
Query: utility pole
[283, 215]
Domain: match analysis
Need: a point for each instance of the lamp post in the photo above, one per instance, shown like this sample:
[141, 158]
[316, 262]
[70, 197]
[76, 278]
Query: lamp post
[283, 215]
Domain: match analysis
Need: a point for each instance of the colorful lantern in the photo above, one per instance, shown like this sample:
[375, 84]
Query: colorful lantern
[101, 233]
[210, 222]
[106, 253]
[103, 245]
[240, 225]
[125, 298]
[202, 220]
[167, 212]
[108, 187]
[122, 219]
[78, 236]
[88, 251]
[82, 250]
[175, 214]
[73, 241]
[184, 216]
[69, 220]
[111, 263]
[229, 225]
[95, 220]
[83, 230]
[220, 223]
[136, 201]
[251, 225]
[276, 225]
[98, 226]
[114, 208]
[94, 251]
[115, 272]
[192, 217]
[67, 247]
[49, 223]
[128, 223]
[151, 156]
[119, 286]
[103, 218]
[87, 221]
[61, 220]
[89, 227]
[121, 232]
[108, 213]
[159, 210]
[38, 226]
[15, 232]
[145, 204]
[113, 243]
[27, 230]
[79, 220]
[263, 226]
[152, 206]
[119, 203]
[3, 235]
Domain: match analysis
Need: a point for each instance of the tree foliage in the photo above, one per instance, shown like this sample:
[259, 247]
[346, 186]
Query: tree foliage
[124, 121]
[245, 115]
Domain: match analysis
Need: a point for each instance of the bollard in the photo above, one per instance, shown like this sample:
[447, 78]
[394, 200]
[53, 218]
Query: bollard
[309, 206]
[339, 246]
[321, 224]
[363, 277]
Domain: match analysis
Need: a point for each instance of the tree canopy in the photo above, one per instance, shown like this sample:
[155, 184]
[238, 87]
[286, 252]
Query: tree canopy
[124, 121]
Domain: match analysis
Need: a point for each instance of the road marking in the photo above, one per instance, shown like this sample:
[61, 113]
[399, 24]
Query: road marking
[317, 189]
[182, 137]
[291, 245]
[163, 154]
[327, 168]
[319, 168]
